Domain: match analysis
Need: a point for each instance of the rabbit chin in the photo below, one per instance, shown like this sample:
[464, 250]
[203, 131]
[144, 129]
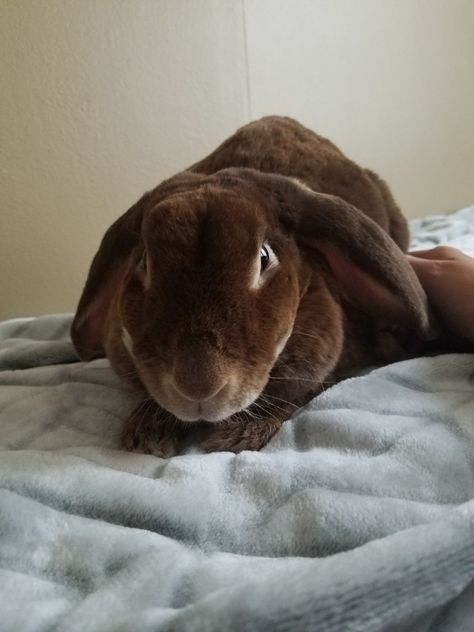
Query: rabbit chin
[209, 410]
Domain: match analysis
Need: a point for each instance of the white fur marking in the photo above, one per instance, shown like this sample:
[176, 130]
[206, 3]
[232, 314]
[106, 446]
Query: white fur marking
[127, 341]
[302, 185]
[283, 340]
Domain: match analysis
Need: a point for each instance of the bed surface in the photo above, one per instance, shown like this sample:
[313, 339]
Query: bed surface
[359, 514]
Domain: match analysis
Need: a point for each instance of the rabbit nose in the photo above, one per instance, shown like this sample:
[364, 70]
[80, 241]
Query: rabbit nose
[197, 392]
[198, 380]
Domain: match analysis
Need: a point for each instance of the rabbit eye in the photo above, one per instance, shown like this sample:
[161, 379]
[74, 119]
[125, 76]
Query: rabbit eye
[268, 259]
[265, 261]
[264, 258]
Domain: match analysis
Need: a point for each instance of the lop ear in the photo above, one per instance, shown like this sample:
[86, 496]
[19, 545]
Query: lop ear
[370, 269]
[106, 273]
[89, 327]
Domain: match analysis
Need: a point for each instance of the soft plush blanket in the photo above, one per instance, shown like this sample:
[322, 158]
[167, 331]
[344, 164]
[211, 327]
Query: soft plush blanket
[359, 515]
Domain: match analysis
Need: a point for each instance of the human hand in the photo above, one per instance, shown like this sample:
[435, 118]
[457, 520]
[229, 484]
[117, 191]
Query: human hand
[447, 276]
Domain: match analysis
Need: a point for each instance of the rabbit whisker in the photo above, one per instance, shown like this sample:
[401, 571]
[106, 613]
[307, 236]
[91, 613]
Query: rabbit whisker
[299, 332]
[279, 399]
[273, 406]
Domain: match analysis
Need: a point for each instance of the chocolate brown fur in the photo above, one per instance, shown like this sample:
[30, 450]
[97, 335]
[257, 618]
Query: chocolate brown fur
[194, 324]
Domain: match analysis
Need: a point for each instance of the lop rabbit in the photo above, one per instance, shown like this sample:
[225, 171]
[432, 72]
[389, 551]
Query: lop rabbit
[235, 291]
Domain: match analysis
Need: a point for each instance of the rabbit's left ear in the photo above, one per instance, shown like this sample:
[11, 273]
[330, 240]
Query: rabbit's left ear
[370, 269]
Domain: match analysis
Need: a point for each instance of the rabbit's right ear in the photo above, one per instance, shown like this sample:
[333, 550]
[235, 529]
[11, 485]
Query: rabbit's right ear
[106, 273]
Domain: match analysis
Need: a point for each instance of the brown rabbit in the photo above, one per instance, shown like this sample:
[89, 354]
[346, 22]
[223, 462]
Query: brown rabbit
[235, 291]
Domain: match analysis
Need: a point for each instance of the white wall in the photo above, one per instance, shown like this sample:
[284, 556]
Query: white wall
[101, 100]
[390, 81]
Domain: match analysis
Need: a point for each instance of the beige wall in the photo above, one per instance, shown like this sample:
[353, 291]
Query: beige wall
[103, 98]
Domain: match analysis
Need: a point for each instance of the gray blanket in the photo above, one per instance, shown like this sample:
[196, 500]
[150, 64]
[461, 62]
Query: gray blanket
[359, 515]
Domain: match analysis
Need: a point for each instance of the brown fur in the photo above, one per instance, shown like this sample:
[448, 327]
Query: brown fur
[199, 333]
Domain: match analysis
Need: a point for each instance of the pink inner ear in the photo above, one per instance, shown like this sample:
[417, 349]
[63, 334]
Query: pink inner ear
[362, 290]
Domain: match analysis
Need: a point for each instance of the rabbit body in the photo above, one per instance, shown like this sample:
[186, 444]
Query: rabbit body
[237, 290]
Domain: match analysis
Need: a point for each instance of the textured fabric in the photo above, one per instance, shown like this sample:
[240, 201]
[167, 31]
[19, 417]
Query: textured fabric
[359, 515]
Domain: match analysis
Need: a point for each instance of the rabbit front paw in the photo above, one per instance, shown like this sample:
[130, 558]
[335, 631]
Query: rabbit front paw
[151, 431]
[236, 435]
